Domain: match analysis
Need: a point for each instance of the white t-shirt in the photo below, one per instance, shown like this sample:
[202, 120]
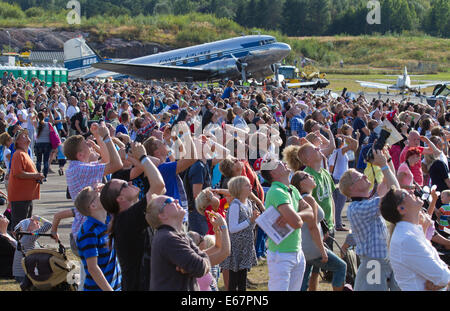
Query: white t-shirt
[71, 111]
[24, 114]
[341, 163]
[62, 106]
[6, 152]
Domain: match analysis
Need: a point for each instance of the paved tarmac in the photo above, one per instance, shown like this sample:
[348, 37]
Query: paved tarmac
[53, 199]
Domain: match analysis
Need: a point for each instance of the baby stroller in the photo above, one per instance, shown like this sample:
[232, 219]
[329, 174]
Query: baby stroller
[47, 269]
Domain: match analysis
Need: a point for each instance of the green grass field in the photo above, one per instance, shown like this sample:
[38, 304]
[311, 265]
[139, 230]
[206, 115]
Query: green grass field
[359, 52]
[339, 81]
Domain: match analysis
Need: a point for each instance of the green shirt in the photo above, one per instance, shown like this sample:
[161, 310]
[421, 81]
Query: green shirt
[323, 193]
[277, 195]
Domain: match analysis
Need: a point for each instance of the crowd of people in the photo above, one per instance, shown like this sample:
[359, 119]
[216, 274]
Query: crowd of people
[168, 182]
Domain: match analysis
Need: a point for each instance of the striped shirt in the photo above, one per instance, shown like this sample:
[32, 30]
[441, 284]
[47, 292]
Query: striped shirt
[28, 242]
[368, 227]
[79, 175]
[444, 221]
[92, 241]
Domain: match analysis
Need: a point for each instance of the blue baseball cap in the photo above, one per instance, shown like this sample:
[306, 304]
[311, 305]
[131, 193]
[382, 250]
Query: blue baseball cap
[174, 107]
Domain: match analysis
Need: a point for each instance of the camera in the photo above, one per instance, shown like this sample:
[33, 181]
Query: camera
[379, 144]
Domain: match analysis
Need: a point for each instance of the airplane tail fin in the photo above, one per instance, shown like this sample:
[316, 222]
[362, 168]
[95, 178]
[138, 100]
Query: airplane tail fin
[405, 72]
[79, 56]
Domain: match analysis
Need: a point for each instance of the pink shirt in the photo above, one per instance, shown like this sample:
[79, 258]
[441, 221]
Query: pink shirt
[408, 179]
[416, 169]
[205, 282]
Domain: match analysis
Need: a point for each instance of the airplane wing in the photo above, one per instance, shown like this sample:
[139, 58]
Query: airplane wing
[151, 71]
[301, 84]
[375, 85]
[423, 86]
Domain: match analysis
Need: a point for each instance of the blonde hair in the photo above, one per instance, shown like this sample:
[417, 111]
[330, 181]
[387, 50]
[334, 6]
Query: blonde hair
[152, 213]
[346, 182]
[202, 200]
[235, 185]
[447, 196]
[210, 240]
[290, 156]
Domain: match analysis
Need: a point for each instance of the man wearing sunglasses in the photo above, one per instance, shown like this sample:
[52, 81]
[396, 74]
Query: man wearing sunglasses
[369, 228]
[129, 229]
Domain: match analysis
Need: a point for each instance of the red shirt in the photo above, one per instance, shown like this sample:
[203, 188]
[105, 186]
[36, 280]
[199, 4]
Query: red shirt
[416, 169]
[223, 206]
[254, 181]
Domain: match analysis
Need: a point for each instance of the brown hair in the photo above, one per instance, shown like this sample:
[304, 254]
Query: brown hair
[83, 199]
[108, 197]
[151, 145]
[125, 116]
[297, 178]
[388, 206]
[226, 167]
[4, 138]
[72, 147]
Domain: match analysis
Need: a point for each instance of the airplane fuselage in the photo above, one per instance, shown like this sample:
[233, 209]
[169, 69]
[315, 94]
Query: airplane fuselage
[224, 58]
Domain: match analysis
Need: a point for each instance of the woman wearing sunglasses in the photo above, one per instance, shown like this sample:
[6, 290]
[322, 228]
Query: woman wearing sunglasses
[316, 255]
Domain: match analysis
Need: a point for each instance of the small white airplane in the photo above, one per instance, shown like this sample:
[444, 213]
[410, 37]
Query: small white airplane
[403, 84]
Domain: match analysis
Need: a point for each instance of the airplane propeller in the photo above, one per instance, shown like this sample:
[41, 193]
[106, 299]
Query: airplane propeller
[241, 67]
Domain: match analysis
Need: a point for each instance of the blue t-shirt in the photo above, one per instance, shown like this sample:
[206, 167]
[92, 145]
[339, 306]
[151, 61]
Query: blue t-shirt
[92, 241]
[60, 155]
[227, 92]
[357, 125]
[198, 174]
[361, 163]
[121, 129]
[168, 172]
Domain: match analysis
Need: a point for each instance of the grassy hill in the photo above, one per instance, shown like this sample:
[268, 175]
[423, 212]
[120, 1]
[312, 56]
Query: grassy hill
[360, 53]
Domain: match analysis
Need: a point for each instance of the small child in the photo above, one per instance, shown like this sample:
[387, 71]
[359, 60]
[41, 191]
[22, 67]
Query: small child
[35, 224]
[208, 282]
[444, 211]
[208, 200]
[98, 256]
[240, 218]
[61, 157]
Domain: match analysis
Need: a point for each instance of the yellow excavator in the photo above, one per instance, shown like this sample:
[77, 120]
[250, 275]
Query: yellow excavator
[309, 77]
